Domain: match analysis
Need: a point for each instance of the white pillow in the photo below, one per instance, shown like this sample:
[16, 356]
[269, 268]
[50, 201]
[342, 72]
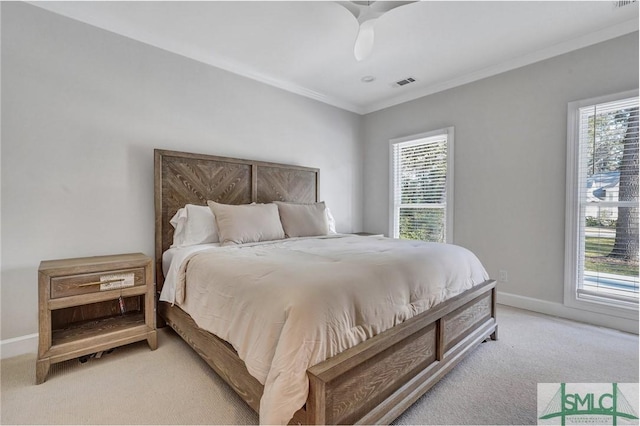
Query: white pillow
[330, 221]
[194, 225]
[177, 221]
[303, 219]
[247, 223]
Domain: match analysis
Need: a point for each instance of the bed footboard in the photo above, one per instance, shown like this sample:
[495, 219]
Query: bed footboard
[374, 382]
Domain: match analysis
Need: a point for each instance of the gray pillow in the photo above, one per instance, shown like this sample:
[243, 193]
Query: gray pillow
[246, 223]
[303, 220]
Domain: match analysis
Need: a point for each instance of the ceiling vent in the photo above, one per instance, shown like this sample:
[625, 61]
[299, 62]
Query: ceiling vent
[404, 82]
[623, 3]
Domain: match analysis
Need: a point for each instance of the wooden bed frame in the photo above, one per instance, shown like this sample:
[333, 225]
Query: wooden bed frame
[373, 382]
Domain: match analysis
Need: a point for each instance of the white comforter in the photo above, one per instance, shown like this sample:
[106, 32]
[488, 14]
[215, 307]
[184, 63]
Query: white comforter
[288, 305]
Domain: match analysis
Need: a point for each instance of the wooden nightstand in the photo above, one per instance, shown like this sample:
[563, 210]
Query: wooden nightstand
[92, 304]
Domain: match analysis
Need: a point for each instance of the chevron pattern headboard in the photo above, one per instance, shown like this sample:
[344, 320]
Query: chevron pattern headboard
[185, 178]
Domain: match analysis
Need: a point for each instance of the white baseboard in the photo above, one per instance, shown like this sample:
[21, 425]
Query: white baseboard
[19, 346]
[562, 311]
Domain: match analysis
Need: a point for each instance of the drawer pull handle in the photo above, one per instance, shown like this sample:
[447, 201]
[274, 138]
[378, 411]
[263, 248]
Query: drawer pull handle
[101, 282]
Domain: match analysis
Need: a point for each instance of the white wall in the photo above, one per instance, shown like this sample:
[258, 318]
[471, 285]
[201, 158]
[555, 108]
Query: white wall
[510, 155]
[82, 110]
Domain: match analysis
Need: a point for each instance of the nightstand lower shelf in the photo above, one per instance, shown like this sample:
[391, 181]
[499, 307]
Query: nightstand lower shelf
[94, 336]
[95, 328]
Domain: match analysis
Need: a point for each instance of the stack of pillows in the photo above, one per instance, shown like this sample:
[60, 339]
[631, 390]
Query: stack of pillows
[248, 223]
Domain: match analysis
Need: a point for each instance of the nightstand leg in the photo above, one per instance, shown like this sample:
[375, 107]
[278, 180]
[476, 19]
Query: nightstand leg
[494, 335]
[42, 370]
[152, 340]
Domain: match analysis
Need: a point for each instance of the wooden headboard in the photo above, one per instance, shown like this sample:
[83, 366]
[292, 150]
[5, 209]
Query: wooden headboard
[185, 178]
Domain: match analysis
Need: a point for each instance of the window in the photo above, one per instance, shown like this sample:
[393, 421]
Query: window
[422, 186]
[602, 204]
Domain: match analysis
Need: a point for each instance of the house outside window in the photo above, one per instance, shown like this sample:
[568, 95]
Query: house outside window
[421, 185]
[601, 255]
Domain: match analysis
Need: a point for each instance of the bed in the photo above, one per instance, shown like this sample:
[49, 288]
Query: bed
[371, 382]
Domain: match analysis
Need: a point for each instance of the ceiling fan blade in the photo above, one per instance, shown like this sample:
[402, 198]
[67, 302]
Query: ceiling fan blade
[366, 13]
[385, 6]
[351, 7]
[364, 41]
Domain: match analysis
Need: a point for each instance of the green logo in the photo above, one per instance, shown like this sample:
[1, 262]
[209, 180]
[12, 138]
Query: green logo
[589, 404]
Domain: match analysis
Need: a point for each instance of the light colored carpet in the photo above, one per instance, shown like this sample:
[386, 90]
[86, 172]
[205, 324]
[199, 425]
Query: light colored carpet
[496, 384]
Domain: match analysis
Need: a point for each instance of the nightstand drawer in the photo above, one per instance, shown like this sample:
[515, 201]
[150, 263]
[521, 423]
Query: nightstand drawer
[74, 285]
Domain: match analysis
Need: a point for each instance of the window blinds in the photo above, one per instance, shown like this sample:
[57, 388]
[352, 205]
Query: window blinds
[420, 188]
[608, 194]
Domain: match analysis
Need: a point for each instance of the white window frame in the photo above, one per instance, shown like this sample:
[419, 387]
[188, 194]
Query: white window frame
[417, 139]
[572, 216]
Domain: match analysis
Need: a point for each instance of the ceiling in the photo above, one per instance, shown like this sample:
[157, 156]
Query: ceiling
[306, 47]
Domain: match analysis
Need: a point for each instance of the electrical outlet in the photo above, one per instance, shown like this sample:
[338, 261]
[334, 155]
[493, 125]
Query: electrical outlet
[503, 276]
